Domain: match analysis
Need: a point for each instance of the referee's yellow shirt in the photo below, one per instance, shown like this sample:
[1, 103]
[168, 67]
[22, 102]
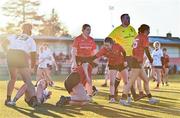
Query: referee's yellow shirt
[124, 37]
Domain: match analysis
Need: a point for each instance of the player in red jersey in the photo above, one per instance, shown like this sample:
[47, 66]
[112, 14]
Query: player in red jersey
[140, 46]
[116, 62]
[165, 67]
[83, 48]
[74, 84]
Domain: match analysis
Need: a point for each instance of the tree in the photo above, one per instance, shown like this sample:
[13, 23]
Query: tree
[10, 28]
[53, 27]
[21, 11]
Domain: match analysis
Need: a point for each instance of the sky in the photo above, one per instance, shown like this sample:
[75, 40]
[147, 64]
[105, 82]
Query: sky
[162, 16]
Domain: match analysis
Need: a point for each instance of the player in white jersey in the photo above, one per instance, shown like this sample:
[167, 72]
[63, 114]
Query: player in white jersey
[50, 61]
[45, 62]
[157, 56]
[43, 80]
[42, 93]
[21, 49]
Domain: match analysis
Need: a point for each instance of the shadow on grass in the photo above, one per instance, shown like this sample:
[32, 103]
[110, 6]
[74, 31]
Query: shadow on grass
[59, 88]
[166, 98]
[109, 111]
[167, 105]
[75, 111]
[49, 110]
[32, 113]
[165, 91]
[161, 107]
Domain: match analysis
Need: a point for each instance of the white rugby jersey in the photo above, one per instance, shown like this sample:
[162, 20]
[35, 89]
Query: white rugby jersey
[50, 55]
[22, 42]
[42, 60]
[45, 58]
[156, 55]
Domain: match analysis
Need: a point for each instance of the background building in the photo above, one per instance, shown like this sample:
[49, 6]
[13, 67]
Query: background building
[61, 48]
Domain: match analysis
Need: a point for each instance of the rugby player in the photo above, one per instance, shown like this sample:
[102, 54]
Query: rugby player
[84, 47]
[140, 46]
[157, 55]
[21, 49]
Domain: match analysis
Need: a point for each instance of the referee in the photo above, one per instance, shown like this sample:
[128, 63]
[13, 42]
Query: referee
[124, 35]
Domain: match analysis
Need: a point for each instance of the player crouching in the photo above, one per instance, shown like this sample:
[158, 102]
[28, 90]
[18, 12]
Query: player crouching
[74, 85]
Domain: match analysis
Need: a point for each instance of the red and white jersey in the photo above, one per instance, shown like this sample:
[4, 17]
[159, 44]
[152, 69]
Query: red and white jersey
[157, 55]
[114, 55]
[22, 42]
[140, 42]
[85, 47]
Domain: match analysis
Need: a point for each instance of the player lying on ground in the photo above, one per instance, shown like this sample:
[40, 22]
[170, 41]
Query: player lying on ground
[43, 81]
[42, 93]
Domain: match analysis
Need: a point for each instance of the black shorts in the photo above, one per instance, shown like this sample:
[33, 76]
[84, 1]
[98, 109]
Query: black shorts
[130, 60]
[71, 81]
[81, 60]
[117, 67]
[17, 59]
[135, 63]
[158, 67]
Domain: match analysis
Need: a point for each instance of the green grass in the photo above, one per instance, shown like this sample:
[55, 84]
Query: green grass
[169, 106]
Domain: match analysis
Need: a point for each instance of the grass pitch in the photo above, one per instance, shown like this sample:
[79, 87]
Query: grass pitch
[169, 106]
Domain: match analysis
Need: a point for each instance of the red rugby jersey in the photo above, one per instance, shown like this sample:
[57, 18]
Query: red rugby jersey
[166, 60]
[140, 42]
[84, 46]
[114, 55]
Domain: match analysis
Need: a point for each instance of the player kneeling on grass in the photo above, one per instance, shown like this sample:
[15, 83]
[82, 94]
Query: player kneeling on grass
[42, 93]
[140, 46]
[74, 84]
